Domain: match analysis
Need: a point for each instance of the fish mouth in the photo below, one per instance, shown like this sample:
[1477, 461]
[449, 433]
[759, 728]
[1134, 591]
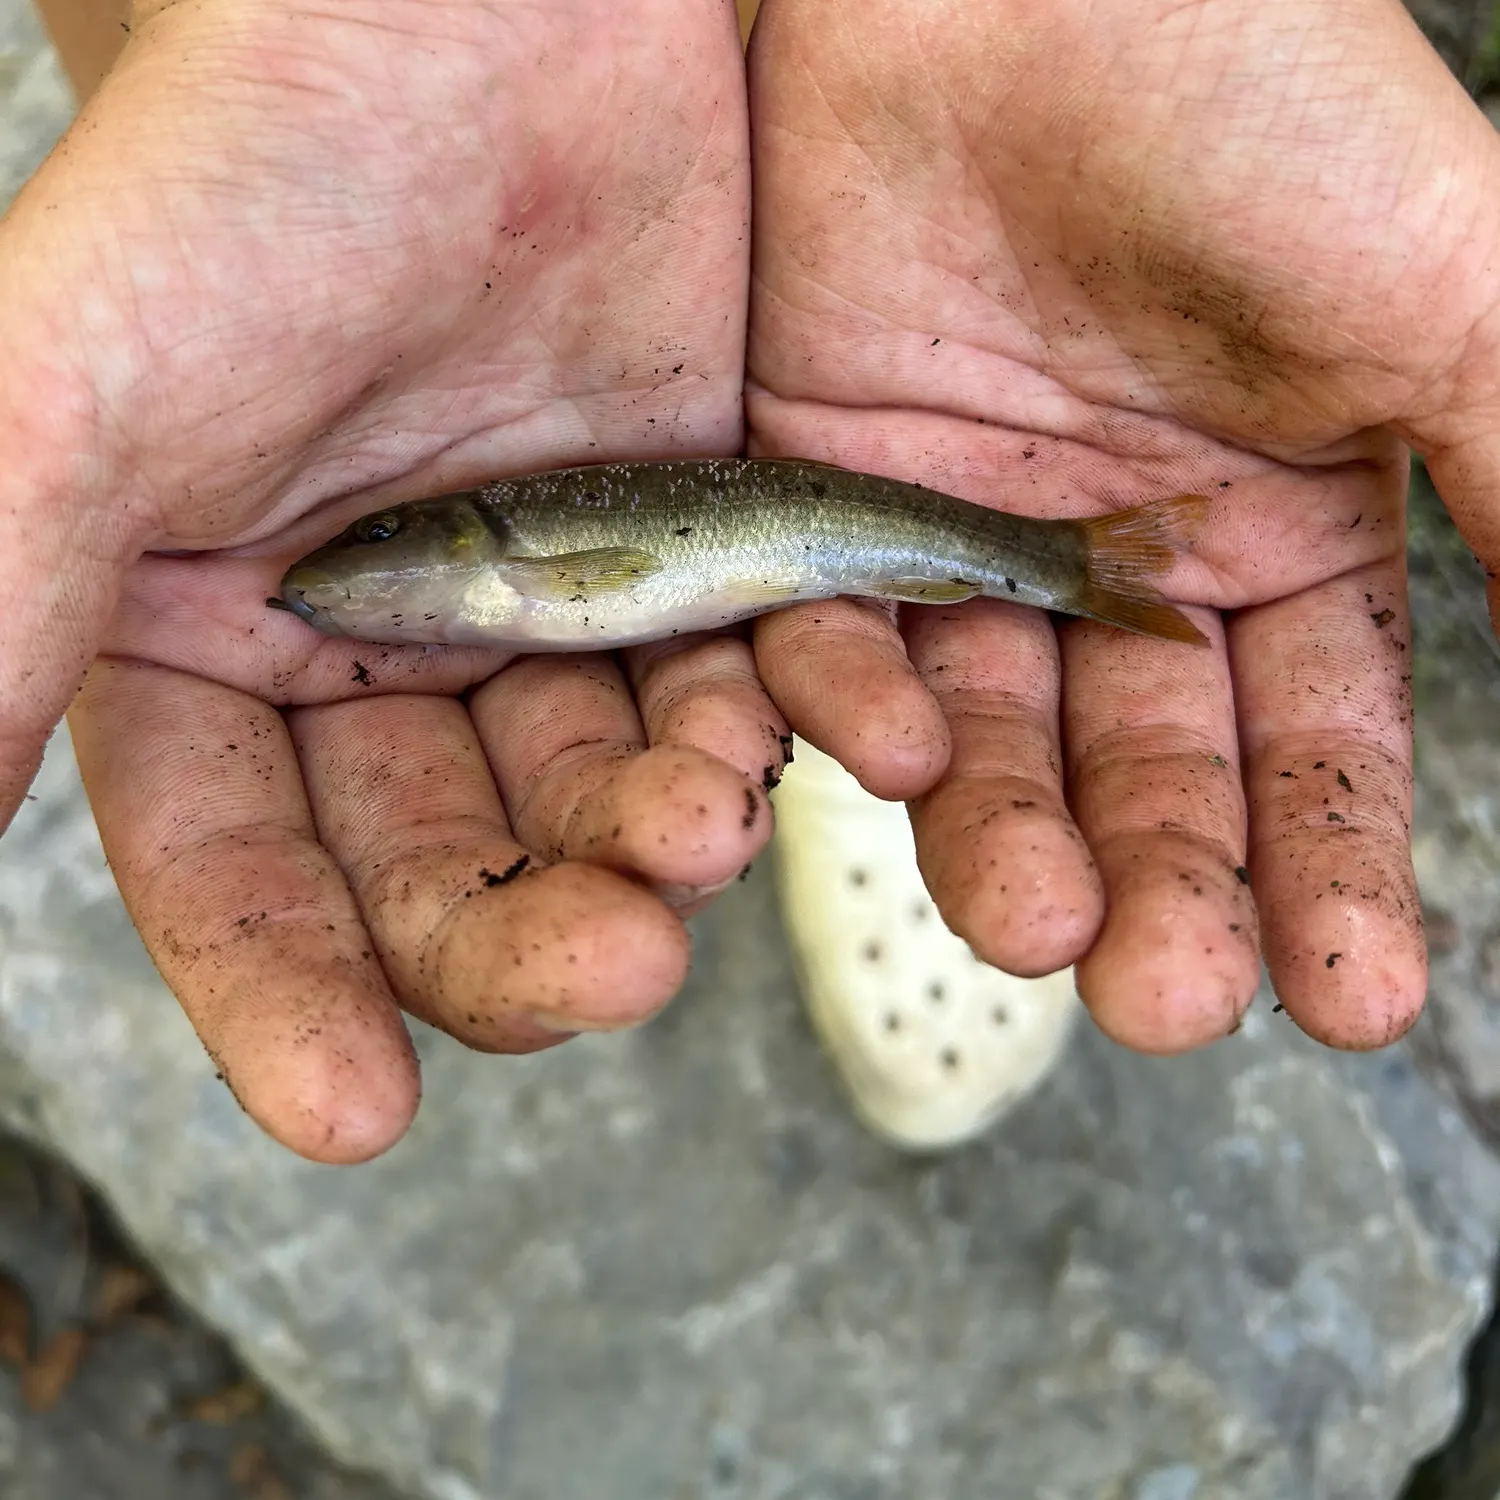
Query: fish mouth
[310, 593]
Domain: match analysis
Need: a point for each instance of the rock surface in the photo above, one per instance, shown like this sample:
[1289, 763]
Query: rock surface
[668, 1263]
[36, 102]
[124, 1395]
[1456, 842]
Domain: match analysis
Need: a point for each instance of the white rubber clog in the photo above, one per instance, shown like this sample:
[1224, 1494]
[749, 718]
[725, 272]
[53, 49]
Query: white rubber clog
[933, 1044]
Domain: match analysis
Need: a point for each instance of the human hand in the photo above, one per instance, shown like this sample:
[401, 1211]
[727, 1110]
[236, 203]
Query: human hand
[288, 265]
[1062, 259]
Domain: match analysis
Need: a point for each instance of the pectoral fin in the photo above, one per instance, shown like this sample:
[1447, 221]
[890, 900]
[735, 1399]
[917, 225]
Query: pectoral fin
[918, 590]
[599, 570]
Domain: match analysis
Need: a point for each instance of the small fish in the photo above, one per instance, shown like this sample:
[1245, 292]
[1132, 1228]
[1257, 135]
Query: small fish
[619, 554]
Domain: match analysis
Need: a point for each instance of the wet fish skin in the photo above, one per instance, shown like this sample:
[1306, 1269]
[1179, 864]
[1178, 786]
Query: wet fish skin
[612, 555]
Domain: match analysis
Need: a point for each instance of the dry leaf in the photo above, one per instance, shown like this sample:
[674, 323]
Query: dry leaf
[121, 1290]
[251, 1468]
[243, 1399]
[47, 1376]
[247, 1463]
[15, 1323]
[154, 1324]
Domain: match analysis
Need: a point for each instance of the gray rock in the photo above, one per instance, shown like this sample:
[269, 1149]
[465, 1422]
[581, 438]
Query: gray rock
[1456, 843]
[1457, 854]
[157, 1409]
[36, 100]
[668, 1263]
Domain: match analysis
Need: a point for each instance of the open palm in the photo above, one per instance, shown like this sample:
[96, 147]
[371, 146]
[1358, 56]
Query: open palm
[287, 264]
[1063, 259]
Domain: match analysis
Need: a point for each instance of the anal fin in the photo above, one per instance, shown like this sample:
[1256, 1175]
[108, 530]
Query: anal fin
[918, 590]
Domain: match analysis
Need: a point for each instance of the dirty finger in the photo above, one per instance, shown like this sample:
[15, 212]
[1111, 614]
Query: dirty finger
[996, 843]
[1154, 781]
[840, 673]
[478, 936]
[201, 808]
[580, 781]
[1323, 682]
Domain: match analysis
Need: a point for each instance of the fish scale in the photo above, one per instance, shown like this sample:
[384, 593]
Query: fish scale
[612, 555]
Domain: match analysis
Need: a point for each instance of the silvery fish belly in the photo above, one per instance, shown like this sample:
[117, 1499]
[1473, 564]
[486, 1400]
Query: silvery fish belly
[620, 554]
[698, 571]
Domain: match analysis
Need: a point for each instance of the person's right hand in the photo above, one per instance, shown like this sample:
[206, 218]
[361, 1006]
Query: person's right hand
[288, 264]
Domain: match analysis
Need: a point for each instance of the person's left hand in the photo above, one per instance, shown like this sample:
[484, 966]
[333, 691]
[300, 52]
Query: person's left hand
[1063, 260]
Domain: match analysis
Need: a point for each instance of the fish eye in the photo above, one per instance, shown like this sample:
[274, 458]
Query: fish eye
[379, 528]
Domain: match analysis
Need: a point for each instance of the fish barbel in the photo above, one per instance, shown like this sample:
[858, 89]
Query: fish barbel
[619, 554]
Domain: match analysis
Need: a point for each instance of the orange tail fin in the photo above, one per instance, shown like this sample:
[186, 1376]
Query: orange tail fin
[1128, 548]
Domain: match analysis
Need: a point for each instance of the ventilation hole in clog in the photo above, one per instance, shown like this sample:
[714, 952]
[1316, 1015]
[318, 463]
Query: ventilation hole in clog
[872, 952]
[920, 911]
[949, 1058]
[892, 1021]
[1000, 1016]
[936, 992]
[859, 876]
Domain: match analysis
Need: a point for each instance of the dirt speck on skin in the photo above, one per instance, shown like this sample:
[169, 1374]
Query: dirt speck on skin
[752, 809]
[1383, 618]
[770, 779]
[1242, 874]
[509, 873]
[361, 674]
[1331, 960]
